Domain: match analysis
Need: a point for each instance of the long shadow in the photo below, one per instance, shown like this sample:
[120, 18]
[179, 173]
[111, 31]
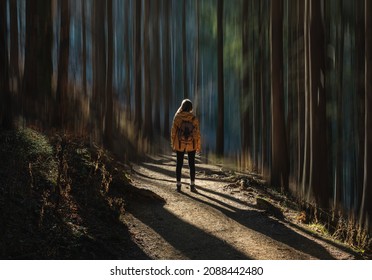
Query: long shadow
[271, 228]
[260, 223]
[225, 196]
[106, 236]
[192, 242]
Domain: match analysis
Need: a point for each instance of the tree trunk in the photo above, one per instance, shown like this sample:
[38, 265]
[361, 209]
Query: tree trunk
[306, 116]
[166, 66]
[280, 162]
[64, 49]
[137, 64]
[127, 58]
[146, 56]
[99, 64]
[220, 81]
[340, 121]
[109, 118]
[14, 50]
[366, 207]
[184, 52]
[156, 69]
[84, 55]
[5, 107]
[246, 145]
[37, 79]
[318, 136]
[360, 89]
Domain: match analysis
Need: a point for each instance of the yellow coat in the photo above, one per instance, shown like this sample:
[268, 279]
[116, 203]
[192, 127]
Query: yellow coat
[176, 144]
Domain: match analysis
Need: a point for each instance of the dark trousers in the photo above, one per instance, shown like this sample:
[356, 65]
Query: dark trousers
[191, 158]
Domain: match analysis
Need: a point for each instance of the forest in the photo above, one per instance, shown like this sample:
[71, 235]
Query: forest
[281, 88]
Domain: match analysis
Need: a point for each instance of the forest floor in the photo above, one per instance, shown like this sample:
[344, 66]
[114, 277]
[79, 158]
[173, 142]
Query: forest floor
[61, 198]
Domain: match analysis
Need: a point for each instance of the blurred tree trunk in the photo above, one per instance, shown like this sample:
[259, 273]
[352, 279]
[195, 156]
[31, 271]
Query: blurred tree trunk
[184, 52]
[137, 63]
[99, 64]
[340, 122]
[156, 69]
[360, 90]
[84, 55]
[64, 49]
[220, 81]
[109, 118]
[306, 102]
[146, 57]
[38, 68]
[280, 161]
[126, 58]
[197, 54]
[14, 49]
[246, 139]
[300, 64]
[6, 120]
[167, 77]
[318, 135]
[366, 207]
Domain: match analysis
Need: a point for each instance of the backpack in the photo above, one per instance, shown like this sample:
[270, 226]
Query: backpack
[186, 133]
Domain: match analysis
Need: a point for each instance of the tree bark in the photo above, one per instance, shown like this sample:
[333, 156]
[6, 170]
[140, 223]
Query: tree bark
[318, 135]
[84, 55]
[99, 64]
[5, 107]
[64, 49]
[220, 81]
[137, 64]
[156, 69]
[14, 49]
[109, 117]
[146, 56]
[280, 162]
[38, 69]
[184, 52]
[366, 207]
[167, 68]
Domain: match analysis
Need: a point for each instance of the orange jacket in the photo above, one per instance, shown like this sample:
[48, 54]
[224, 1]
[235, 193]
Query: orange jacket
[176, 144]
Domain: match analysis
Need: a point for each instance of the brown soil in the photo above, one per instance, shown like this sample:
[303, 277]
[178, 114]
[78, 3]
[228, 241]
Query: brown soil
[232, 216]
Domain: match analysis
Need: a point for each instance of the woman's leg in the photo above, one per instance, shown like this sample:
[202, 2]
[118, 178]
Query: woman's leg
[180, 156]
[191, 157]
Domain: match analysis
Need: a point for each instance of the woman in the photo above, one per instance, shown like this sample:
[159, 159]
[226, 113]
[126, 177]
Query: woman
[185, 138]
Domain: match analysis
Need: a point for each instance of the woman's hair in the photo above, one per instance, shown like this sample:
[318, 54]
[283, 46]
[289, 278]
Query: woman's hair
[186, 106]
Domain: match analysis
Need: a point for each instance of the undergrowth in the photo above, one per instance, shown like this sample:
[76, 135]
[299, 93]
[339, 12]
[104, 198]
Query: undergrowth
[61, 198]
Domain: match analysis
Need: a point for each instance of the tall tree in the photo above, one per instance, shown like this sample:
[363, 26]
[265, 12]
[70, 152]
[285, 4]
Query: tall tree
[146, 57]
[360, 90]
[318, 136]
[246, 143]
[84, 54]
[5, 109]
[184, 52]
[220, 81]
[137, 63]
[280, 161]
[109, 117]
[14, 49]
[155, 58]
[99, 64]
[366, 207]
[126, 57]
[38, 67]
[167, 67]
[64, 50]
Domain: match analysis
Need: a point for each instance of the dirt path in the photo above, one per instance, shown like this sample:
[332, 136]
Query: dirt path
[222, 221]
